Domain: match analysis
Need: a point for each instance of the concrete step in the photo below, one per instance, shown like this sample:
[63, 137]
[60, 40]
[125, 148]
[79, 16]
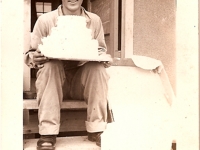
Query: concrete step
[66, 143]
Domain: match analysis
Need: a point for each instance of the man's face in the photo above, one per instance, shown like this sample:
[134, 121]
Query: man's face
[72, 5]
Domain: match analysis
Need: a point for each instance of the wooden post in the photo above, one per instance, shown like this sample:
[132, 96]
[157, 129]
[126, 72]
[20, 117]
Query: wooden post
[27, 27]
[127, 28]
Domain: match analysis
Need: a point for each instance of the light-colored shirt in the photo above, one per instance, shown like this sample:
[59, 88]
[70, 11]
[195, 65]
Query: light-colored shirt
[48, 20]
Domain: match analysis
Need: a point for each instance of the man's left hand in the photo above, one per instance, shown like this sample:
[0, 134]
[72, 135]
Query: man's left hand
[106, 64]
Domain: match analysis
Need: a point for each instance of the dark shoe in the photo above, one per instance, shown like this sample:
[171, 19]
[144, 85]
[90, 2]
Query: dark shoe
[46, 142]
[95, 137]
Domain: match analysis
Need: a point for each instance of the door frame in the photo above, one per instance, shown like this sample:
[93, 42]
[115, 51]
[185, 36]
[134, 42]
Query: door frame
[113, 26]
[127, 28]
[125, 48]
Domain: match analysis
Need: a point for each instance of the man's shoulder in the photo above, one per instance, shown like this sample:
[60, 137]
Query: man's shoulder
[49, 15]
[93, 16]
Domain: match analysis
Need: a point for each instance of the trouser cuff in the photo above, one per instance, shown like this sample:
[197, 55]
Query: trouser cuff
[49, 130]
[95, 126]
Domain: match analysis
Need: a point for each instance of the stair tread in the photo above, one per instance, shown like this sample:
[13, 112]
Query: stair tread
[63, 143]
[70, 121]
[70, 104]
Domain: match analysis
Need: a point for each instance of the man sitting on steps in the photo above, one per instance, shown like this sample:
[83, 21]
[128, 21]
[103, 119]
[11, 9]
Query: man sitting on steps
[61, 79]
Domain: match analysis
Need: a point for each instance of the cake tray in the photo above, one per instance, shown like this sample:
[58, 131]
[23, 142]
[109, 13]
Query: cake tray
[105, 57]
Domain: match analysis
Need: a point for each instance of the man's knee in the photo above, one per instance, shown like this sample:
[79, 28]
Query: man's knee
[53, 64]
[51, 67]
[95, 69]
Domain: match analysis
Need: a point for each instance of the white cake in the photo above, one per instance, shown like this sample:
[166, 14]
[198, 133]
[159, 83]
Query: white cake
[70, 38]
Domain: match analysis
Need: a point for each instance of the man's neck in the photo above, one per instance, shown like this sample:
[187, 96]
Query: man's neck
[67, 12]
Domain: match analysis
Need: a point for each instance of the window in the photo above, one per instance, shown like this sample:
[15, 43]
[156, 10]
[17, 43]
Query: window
[43, 7]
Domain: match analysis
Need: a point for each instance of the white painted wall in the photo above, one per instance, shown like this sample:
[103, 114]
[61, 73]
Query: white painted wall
[12, 45]
[187, 75]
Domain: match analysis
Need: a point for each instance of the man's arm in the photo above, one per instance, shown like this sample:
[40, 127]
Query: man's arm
[99, 36]
[102, 45]
[39, 31]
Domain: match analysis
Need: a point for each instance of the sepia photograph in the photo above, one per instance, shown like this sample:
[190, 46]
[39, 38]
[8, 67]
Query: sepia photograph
[99, 75]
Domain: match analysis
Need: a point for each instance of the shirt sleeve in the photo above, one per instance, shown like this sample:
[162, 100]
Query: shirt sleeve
[99, 35]
[39, 31]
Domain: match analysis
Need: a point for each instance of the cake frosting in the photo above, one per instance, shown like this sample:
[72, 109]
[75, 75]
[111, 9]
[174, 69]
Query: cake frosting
[70, 38]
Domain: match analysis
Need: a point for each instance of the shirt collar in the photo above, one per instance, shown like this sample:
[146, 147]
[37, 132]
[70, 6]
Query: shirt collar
[84, 13]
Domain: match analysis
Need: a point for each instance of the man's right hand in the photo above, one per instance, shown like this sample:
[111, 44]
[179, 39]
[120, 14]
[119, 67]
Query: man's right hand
[39, 59]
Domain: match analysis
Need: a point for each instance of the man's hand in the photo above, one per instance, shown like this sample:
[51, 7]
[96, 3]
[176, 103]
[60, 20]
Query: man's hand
[106, 64]
[39, 59]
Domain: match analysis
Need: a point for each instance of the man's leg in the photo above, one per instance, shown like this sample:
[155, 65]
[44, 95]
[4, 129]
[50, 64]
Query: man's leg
[90, 84]
[50, 80]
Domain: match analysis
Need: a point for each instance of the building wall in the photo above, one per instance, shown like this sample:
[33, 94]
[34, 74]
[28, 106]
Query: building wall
[168, 31]
[154, 32]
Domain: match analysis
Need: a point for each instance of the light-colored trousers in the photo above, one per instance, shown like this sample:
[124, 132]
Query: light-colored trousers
[56, 81]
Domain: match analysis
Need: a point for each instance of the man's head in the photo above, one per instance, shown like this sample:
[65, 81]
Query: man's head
[71, 7]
